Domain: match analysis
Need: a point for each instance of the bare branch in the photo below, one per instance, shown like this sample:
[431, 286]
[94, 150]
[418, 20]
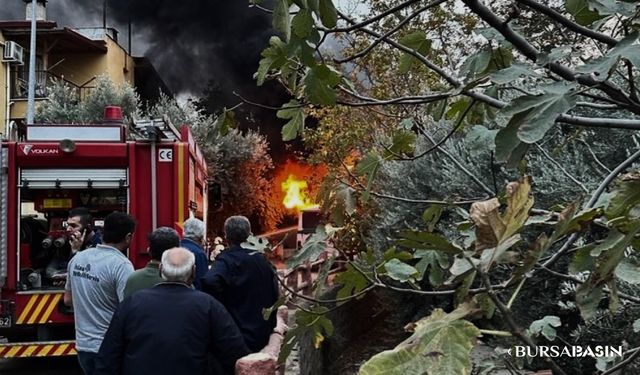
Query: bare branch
[459, 165]
[415, 99]
[554, 162]
[594, 156]
[390, 32]
[568, 23]
[444, 139]
[600, 122]
[454, 82]
[598, 105]
[355, 26]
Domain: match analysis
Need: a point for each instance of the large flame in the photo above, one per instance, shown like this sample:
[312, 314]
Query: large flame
[296, 194]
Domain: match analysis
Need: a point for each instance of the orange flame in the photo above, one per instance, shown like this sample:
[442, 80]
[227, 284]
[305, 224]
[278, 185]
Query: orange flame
[295, 194]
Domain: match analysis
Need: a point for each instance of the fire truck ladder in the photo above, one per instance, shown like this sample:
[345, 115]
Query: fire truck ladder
[154, 130]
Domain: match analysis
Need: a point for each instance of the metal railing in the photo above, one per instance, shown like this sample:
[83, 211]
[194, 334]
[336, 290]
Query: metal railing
[44, 81]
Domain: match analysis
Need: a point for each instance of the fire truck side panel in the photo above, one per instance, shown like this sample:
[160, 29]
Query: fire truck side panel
[12, 220]
[167, 184]
[40, 308]
[181, 165]
[43, 155]
[140, 201]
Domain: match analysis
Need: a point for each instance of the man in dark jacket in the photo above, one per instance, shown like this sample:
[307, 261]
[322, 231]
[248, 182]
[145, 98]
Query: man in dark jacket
[170, 328]
[193, 232]
[244, 282]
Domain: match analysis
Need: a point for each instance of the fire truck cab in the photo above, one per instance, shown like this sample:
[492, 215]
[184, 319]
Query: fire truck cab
[149, 169]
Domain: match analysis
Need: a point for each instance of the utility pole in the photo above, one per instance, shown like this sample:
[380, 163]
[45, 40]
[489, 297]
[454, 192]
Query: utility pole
[104, 14]
[31, 98]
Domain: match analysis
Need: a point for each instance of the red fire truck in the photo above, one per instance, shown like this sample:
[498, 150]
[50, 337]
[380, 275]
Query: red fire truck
[149, 169]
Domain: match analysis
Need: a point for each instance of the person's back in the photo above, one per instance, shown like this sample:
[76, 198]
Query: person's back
[95, 286]
[250, 288]
[160, 240]
[93, 276]
[244, 282]
[170, 329]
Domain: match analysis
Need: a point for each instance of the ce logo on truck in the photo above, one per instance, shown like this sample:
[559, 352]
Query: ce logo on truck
[165, 155]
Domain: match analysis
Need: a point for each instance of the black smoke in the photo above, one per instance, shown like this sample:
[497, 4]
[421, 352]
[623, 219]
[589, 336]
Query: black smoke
[206, 48]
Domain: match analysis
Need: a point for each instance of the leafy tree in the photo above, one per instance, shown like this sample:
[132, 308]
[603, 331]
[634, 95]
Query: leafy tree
[63, 104]
[452, 100]
[239, 162]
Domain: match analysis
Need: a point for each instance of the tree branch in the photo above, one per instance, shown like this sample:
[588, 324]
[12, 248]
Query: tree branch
[407, 200]
[515, 329]
[594, 156]
[390, 32]
[416, 99]
[594, 198]
[459, 165]
[568, 23]
[626, 296]
[444, 139]
[567, 119]
[531, 52]
[554, 162]
[624, 363]
[599, 122]
[355, 26]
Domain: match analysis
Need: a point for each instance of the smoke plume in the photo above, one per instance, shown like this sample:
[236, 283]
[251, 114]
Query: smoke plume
[199, 47]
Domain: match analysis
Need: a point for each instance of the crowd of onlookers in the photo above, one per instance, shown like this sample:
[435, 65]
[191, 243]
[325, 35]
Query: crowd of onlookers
[176, 315]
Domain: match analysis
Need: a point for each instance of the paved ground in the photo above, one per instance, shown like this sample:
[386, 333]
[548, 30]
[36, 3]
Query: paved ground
[40, 366]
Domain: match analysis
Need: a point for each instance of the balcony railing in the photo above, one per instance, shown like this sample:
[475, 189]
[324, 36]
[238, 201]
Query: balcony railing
[44, 82]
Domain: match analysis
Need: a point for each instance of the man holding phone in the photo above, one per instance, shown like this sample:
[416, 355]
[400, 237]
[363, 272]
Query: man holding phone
[80, 230]
[80, 235]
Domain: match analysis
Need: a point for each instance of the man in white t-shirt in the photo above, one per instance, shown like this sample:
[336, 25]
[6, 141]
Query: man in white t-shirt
[95, 286]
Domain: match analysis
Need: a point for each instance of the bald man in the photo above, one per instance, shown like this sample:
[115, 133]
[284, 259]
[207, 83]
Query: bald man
[171, 328]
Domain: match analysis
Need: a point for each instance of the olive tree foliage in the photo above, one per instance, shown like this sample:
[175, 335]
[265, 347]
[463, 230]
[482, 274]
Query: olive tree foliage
[494, 142]
[63, 104]
[238, 161]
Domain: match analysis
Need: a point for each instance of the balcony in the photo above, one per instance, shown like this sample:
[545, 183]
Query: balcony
[44, 80]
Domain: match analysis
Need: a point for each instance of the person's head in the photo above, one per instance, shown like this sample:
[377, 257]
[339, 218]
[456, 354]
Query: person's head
[178, 265]
[79, 220]
[162, 239]
[237, 229]
[118, 230]
[193, 229]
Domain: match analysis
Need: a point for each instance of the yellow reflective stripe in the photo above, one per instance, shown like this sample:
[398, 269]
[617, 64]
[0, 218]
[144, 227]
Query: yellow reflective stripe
[49, 310]
[12, 352]
[73, 351]
[61, 349]
[41, 305]
[44, 351]
[27, 308]
[29, 351]
[181, 182]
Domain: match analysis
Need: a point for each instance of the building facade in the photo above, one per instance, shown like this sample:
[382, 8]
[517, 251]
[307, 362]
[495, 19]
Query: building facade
[76, 56]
